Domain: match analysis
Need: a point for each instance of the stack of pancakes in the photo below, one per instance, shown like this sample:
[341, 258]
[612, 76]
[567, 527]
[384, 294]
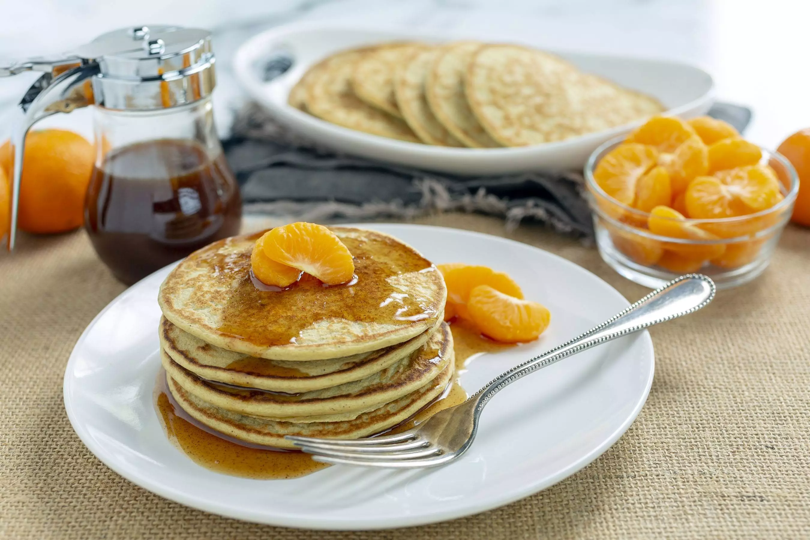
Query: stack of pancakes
[347, 361]
[465, 94]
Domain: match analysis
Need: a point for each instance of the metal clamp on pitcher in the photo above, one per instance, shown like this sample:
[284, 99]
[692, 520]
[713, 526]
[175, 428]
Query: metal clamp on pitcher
[160, 187]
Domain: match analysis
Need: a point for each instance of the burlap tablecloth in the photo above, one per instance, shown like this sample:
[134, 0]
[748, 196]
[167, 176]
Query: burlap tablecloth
[720, 450]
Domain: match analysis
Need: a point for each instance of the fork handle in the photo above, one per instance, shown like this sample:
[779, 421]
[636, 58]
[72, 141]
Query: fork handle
[679, 297]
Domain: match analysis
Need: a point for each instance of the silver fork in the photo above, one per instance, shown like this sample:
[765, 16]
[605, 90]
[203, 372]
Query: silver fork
[448, 434]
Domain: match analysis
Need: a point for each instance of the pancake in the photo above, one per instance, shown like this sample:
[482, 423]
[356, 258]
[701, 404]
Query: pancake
[444, 88]
[390, 384]
[523, 96]
[398, 294]
[272, 432]
[409, 88]
[220, 365]
[331, 98]
[373, 75]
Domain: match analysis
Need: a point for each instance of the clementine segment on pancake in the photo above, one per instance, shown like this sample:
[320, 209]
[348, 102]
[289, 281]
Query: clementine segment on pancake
[269, 271]
[310, 248]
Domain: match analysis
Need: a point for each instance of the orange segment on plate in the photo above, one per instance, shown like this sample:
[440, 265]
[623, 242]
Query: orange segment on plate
[712, 130]
[311, 248]
[505, 318]
[620, 170]
[269, 271]
[665, 221]
[664, 133]
[732, 153]
[653, 189]
[461, 280]
[688, 161]
[449, 311]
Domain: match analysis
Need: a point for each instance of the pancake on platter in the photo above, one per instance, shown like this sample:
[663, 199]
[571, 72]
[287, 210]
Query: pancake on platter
[523, 96]
[396, 296]
[409, 88]
[444, 88]
[228, 367]
[272, 432]
[373, 76]
[390, 384]
[329, 96]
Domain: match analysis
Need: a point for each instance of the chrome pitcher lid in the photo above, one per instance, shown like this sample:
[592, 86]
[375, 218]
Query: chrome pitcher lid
[150, 67]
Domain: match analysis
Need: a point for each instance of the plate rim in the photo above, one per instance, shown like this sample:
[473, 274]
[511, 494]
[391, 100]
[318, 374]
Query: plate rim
[244, 56]
[339, 524]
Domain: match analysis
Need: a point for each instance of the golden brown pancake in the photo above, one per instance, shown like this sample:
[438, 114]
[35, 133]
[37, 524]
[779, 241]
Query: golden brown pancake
[398, 294]
[220, 365]
[388, 385]
[272, 432]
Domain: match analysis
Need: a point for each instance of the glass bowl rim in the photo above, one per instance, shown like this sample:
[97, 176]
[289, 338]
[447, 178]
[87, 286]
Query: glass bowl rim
[789, 199]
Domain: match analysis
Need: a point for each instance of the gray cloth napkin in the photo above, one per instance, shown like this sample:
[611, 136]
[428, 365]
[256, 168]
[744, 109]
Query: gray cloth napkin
[281, 173]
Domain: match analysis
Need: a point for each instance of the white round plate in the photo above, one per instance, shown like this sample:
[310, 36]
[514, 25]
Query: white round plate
[685, 90]
[537, 432]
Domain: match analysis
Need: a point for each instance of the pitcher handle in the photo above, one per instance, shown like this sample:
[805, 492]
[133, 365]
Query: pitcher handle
[57, 91]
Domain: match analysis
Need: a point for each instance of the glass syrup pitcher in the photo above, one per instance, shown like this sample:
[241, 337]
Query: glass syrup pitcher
[160, 187]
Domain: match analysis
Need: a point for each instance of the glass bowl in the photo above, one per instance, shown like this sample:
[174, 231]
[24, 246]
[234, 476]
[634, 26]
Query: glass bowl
[741, 251]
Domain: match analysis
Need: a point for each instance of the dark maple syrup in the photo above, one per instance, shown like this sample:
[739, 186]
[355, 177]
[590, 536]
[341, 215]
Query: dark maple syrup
[152, 203]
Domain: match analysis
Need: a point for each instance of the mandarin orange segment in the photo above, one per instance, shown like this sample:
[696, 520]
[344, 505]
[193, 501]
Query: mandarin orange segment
[653, 189]
[739, 254]
[269, 271]
[757, 186]
[687, 162]
[449, 311]
[679, 264]
[712, 130]
[665, 133]
[665, 221]
[311, 248]
[505, 318]
[679, 204]
[708, 198]
[463, 279]
[618, 172]
[732, 153]
[637, 248]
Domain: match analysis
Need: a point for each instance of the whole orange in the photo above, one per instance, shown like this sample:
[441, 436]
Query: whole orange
[796, 149]
[56, 171]
[5, 204]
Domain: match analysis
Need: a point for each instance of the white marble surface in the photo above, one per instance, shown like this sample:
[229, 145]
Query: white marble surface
[756, 50]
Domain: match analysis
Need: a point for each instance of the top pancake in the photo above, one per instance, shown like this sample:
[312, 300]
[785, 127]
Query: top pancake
[398, 295]
[523, 96]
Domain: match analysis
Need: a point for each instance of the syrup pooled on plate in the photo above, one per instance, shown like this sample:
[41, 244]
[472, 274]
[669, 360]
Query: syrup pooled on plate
[222, 454]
